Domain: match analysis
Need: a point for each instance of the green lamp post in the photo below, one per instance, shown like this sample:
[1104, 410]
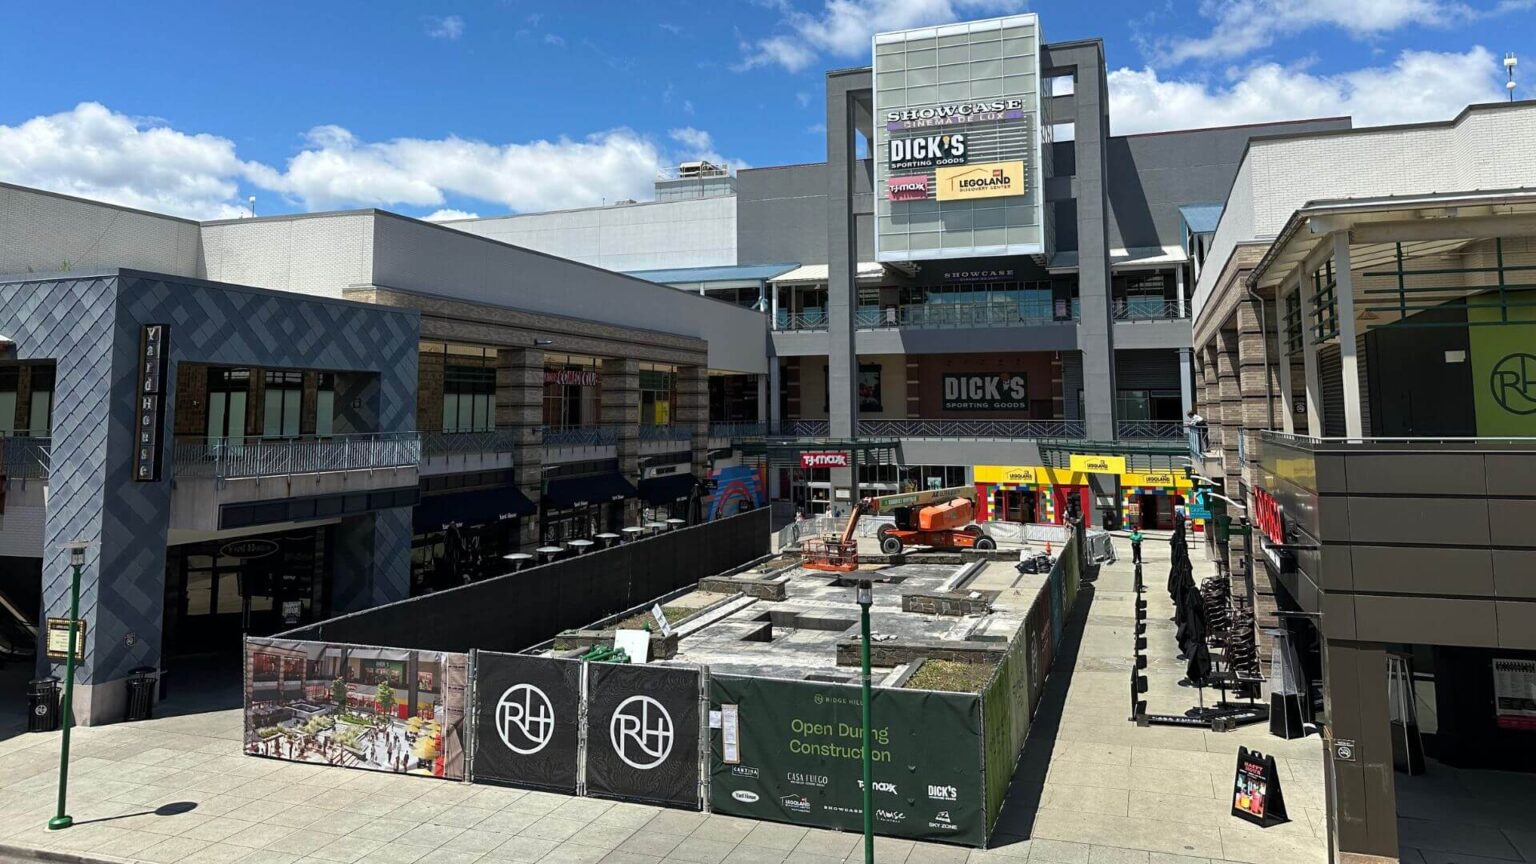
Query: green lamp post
[866, 599]
[76, 563]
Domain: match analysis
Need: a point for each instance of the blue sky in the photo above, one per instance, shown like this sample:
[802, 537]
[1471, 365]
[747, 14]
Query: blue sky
[497, 106]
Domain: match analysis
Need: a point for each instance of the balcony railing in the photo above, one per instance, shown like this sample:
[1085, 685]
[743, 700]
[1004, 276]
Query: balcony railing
[1149, 430]
[25, 457]
[941, 316]
[1199, 441]
[468, 443]
[665, 432]
[805, 428]
[1147, 309]
[224, 458]
[738, 430]
[972, 428]
[580, 436]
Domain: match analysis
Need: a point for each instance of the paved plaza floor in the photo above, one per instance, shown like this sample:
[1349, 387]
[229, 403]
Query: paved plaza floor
[1091, 788]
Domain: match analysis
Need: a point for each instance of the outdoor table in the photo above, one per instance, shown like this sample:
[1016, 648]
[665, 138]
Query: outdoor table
[656, 526]
[608, 538]
[579, 545]
[675, 523]
[634, 531]
[518, 559]
[549, 552]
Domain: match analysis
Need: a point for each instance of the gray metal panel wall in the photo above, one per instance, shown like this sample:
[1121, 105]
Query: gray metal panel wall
[781, 214]
[1147, 370]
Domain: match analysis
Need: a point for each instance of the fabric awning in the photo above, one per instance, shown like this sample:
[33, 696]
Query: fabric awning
[564, 493]
[811, 274]
[476, 507]
[667, 489]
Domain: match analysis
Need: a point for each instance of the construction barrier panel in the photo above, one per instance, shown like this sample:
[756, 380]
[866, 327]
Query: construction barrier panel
[642, 739]
[790, 751]
[518, 610]
[352, 706]
[527, 721]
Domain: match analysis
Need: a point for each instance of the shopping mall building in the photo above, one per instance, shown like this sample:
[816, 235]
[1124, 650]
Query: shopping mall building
[1364, 336]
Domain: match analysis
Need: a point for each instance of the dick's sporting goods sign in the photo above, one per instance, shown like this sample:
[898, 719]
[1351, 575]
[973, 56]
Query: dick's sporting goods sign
[989, 391]
[927, 151]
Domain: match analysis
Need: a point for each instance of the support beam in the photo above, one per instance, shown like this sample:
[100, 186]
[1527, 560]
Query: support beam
[1344, 295]
[1309, 358]
[773, 322]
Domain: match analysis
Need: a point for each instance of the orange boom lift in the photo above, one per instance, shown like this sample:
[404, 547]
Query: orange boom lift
[934, 517]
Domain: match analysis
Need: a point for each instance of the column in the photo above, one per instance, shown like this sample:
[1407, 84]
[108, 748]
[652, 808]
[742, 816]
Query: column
[1186, 381]
[1095, 332]
[1180, 282]
[842, 263]
[693, 413]
[373, 560]
[1309, 358]
[1283, 355]
[773, 320]
[520, 409]
[1362, 806]
[775, 403]
[762, 396]
[1226, 426]
[1344, 292]
[621, 412]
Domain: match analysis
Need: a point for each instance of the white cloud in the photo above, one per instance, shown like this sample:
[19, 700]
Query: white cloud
[93, 152]
[552, 39]
[1418, 86]
[450, 27]
[448, 214]
[842, 28]
[1243, 26]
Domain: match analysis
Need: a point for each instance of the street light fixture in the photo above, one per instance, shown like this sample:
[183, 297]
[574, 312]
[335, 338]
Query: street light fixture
[1509, 66]
[76, 564]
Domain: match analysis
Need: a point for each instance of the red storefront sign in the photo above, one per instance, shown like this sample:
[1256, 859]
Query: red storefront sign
[824, 459]
[913, 188]
[1268, 516]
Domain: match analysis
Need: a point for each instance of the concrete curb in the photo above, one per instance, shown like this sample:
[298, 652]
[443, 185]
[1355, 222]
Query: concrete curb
[60, 857]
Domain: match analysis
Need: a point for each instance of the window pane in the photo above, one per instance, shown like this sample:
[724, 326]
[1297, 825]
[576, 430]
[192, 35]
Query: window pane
[199, 592]
[7, 413]
[325, 410]
[216, 404]
[236, 427]
[229, 593]
[42, 422]
[450, 412]
[272, 418]
[291, 412]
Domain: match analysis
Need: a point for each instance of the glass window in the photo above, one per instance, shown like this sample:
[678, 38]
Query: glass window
[572, 391]
[280, 416]
[42, 401]
[658, 393]
[227, 392]
[469, 397]
[9, 378]
[325, 406]
[199, 592]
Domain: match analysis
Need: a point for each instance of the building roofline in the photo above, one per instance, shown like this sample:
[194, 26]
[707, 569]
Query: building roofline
[132, 273]
[1198, 129]
[1399, 127]
[92, 201]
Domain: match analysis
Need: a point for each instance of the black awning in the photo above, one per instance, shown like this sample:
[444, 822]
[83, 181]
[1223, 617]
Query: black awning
[665, 490]
[477, 507]
[565, 493]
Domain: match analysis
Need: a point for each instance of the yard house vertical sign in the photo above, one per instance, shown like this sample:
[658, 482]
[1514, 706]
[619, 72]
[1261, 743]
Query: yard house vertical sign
[154, 341]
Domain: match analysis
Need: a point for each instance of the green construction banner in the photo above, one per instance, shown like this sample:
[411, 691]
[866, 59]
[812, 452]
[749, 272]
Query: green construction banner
[789, 751]
[1503, 364]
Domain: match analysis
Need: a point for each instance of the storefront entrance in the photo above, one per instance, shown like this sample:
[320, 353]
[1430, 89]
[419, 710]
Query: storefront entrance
[1019, 505]
[218, 592]
[1062, 495]
[1154, 511]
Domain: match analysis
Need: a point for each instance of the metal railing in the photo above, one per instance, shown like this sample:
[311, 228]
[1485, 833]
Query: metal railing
[222, 458]
[468, 443]
[580, 436]
[805, 428]
[1199, 441]
[25, 457]
[972, 428]
[1148, 309]
[1149, 430]
[665, 432]
[931, 316]
[738, 430]
[1242, 448]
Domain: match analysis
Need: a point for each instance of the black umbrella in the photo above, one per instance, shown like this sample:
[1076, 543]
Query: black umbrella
[1198, 670]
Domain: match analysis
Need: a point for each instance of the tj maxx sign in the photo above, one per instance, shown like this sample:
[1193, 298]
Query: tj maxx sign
[824, 459]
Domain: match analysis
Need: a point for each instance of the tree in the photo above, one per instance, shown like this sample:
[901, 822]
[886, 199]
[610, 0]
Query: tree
[385, 697]
[339, 692]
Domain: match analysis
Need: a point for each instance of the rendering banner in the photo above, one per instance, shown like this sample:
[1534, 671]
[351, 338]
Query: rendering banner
[790, 751]
[382, 709]
[526, 713]
[643, 733]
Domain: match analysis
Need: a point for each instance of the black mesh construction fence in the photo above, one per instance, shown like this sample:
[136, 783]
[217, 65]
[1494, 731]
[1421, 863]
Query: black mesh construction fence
[512, 612]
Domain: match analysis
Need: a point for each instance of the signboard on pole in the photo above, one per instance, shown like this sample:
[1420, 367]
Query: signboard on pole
[58, 639]
[154, 346]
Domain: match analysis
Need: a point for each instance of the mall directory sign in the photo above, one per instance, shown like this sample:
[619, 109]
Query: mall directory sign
[789, 751]
[958, 141]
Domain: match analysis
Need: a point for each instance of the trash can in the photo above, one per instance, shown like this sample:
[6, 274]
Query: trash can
[43, 705]
[141, 693]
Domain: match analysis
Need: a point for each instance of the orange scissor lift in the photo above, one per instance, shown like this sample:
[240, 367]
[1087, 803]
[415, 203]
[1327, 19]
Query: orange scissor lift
[941, 518]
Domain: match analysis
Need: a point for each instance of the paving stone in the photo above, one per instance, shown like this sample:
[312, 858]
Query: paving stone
[520, 849]
[698, 850]
[651, 842]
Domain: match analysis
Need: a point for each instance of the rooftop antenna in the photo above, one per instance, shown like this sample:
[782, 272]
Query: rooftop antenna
[1509, 66]
[252, 202]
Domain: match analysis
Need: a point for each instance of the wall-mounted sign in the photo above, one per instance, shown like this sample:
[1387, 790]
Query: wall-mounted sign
[927, 151]
[954, 113]
[982, 274]
[58, 639]
[824, 459]
[571, 377]
[1268, 516]
[913, 188]
[154, 341]
[987, 180]
[986, 391]
[1344, 750]
[1006, 474]
[1514, 693]
[248, 549]
[1095, 464]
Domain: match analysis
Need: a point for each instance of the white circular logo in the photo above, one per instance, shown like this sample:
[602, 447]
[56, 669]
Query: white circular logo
[524, 719]
[744, 796]
[641, 732]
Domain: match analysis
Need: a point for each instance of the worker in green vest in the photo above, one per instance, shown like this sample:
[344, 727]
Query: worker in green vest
[1135, 545]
